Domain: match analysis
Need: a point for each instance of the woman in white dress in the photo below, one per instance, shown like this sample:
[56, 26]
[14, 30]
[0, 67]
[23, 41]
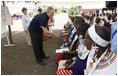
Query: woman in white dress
[101, 60]
[26, 22]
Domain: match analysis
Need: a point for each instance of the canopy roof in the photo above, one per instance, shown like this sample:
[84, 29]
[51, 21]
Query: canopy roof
[84, 4]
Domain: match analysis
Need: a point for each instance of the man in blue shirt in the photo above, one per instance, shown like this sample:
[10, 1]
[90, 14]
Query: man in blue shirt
[37, 27]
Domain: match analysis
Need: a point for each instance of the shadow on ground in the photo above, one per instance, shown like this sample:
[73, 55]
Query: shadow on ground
[20, 59]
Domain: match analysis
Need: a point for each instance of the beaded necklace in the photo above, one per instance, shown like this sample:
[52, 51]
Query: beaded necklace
[106, 60]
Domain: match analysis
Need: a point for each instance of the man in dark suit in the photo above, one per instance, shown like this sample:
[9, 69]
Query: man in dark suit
[36, 28]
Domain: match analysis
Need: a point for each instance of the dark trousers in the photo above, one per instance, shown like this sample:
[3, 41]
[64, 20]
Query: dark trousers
[37, 47]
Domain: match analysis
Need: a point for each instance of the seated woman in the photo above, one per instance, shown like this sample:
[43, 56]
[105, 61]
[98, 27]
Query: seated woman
[76, 22]
[87, 19]
[73, 37]
[66, 55]
[68, 30]
[109, 18]
[69, 24]
[109, 21]
[99, 22]
[101, 60]
[81, 30]
[114, 17]
[82, 54]
[91, 20]
[65, 38]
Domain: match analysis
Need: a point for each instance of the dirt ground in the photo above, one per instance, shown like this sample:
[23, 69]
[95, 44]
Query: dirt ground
[20, 60]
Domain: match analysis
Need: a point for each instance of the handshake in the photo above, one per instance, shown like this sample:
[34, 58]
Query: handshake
[57, 34]
[46, 32]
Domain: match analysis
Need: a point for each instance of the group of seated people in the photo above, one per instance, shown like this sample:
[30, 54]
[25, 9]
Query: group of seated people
[103, 19]
[86, 48]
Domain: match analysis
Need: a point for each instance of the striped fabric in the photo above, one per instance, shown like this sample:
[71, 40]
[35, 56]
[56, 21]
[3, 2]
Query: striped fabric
[64, 72]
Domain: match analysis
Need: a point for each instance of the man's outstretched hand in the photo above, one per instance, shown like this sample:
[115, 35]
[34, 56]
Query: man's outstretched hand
[57, 35]
[46, 32]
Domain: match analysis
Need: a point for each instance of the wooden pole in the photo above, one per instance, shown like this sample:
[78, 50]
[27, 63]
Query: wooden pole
[10, 35]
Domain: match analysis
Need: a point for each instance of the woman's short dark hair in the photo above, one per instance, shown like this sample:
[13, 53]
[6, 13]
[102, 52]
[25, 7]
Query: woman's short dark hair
[103, 32]
[23, 9]
[79, 20]
[83, 27]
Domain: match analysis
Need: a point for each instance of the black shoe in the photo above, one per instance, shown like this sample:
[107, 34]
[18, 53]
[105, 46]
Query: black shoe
[46, 57]
[41, 62]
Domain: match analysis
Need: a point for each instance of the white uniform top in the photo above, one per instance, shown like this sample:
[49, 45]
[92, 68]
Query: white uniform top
[100, 11]
[76, 37]
[104, 17]
[25, 21]
[110, 21]
[109, 11]
[74, 30]
[87, 21]
[82, 50]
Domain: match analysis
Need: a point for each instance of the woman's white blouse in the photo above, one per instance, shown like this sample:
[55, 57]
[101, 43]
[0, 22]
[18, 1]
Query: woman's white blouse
[25, 21]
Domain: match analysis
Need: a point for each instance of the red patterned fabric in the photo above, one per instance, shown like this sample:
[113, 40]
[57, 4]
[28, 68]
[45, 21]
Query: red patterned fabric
[64, 72]
[59, 58]
[43, 36]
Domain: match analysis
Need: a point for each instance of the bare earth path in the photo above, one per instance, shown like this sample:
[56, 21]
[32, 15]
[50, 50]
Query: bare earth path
[20, 59]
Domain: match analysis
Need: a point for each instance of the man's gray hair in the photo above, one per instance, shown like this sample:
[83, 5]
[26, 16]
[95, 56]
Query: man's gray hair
[49, 9]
